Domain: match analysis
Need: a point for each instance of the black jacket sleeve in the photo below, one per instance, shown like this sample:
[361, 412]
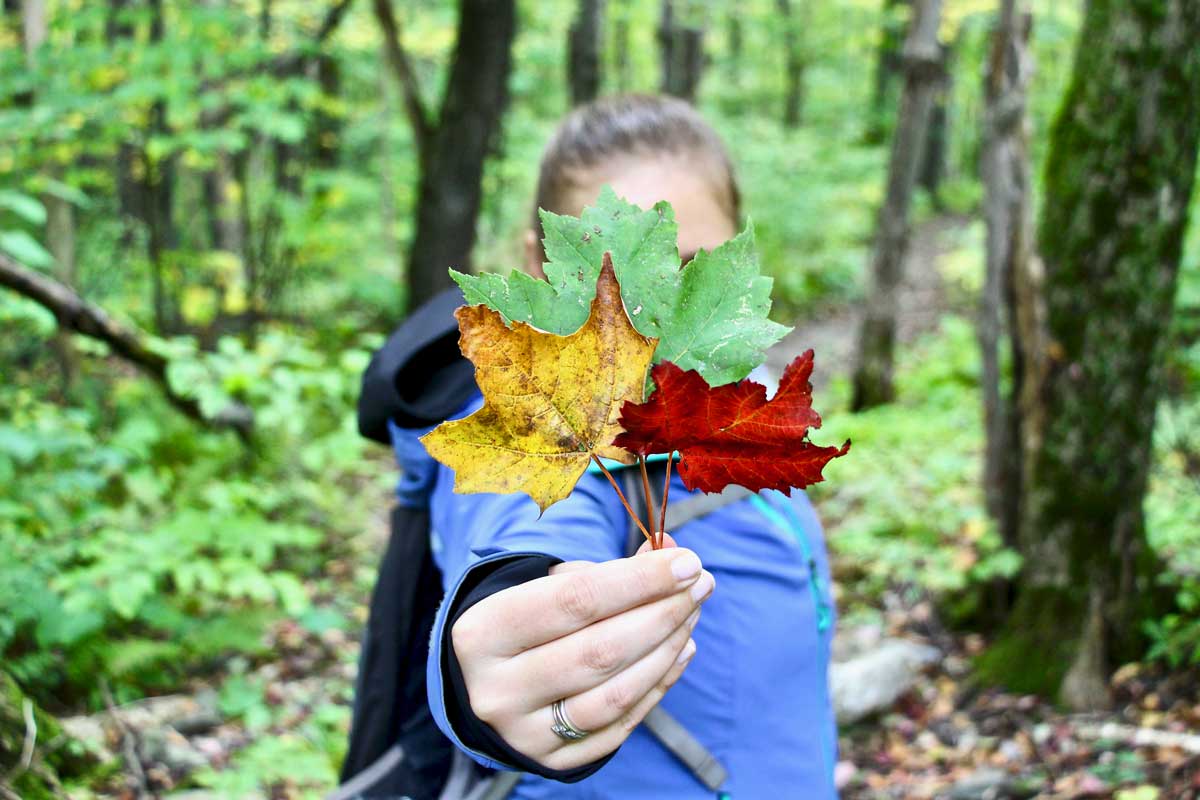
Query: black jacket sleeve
[474, 732]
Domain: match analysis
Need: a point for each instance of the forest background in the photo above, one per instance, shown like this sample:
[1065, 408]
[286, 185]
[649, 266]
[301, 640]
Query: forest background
[212, 212]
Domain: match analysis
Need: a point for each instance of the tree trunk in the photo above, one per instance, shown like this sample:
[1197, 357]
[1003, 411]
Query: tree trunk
[224, 225]
[60, 215]
[583, 46]
[937, 141]
[472, 107]
[1008, 210]
[889, 66]
[794, 67]
[682, 52]
[326, 130]
[158, 204]
[1093, 318]
[922, 63]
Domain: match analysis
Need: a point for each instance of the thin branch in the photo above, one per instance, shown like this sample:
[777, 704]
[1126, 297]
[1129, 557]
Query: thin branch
[649, 501]
[79, 316]
[397, 57]
[624, 502]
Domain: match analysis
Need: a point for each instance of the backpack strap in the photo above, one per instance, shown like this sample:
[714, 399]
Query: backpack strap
[686, 748]
[501, 786]
[669, 731]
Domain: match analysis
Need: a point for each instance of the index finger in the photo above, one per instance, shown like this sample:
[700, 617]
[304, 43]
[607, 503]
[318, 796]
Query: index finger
[548, 608]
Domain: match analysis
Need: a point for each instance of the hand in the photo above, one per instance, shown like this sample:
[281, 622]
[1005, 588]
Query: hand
[611, 638]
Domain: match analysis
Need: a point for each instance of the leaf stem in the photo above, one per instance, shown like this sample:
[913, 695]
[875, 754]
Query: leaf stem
[662, 514]
[621, 495]
[649, 503]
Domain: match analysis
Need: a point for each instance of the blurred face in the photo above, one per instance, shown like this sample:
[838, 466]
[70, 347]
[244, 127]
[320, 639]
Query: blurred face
[693, 187]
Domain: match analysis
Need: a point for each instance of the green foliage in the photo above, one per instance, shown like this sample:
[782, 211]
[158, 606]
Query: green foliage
[151, 545]
[908, 507]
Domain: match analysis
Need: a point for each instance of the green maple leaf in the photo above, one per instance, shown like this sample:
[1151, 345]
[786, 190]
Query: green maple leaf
[710, 316]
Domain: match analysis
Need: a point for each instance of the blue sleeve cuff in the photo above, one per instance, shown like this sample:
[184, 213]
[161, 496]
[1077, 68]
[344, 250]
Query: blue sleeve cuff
[435, 680]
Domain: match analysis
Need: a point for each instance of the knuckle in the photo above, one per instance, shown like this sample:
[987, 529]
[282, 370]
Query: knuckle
[467, 634]
[618, 696]
[645, 580]
[677, 611]
[491, 707]
[602, 655]
[557, 760]
[578, 598]
[629, 722]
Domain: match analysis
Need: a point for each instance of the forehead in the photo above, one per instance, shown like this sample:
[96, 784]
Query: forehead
[694, 188]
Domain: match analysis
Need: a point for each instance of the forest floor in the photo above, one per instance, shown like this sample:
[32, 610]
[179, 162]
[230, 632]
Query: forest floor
[267, 730]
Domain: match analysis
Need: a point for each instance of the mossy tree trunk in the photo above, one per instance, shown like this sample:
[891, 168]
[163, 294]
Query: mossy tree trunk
[1091, 323]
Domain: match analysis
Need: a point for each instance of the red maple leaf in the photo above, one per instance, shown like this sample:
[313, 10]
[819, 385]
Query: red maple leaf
[733, 433]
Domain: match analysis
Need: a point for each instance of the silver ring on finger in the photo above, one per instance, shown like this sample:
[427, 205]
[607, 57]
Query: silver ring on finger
[562, 726]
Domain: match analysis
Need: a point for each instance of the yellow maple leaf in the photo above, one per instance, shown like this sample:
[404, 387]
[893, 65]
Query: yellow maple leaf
[551, 402]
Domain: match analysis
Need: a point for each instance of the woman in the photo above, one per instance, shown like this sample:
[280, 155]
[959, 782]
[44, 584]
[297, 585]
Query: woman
[550, 648]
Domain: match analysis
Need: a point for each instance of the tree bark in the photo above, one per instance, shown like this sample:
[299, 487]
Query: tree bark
[583, 47]
[1008, 214]
[472, 106]
[876, 344]
[77, 315]
[794, 65]
[682, 53]
[1093, 317]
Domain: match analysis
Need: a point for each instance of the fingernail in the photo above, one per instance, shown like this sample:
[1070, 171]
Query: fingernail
[686, 566]
[688, 651]
[693, 619]
[702, 588]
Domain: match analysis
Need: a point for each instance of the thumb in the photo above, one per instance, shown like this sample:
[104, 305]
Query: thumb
[667, 541]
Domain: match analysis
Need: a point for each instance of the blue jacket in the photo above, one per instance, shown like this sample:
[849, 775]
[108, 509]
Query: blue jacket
[755, 694]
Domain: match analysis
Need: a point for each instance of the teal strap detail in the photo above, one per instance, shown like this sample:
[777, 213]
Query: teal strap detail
[613, 466]
[791, 523]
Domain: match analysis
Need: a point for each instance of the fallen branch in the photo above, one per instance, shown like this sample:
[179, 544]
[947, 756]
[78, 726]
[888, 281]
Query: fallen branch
[77, 315]
[27, 749]
[128, 742]
[1139, 737]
